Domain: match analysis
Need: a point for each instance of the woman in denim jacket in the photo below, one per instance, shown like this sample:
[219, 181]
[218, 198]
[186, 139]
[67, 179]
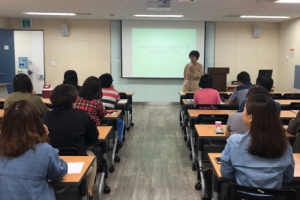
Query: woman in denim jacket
[27, 161]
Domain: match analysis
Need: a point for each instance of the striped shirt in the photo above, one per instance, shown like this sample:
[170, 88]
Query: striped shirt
[110, 97]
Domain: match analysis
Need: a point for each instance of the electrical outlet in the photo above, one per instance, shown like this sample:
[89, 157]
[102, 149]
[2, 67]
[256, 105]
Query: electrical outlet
[40, 76]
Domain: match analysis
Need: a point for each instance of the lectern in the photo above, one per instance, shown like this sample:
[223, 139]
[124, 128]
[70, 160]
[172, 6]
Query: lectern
[219, 75]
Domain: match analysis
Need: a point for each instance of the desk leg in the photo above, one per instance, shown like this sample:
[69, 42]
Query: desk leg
[127, 115]
[83, 190]
[113, 155]
[192, 128]
[106, 189]
[216, 187]
[130, 110]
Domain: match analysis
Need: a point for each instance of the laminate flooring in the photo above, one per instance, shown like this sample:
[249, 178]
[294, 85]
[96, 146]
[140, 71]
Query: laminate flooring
[155, 163]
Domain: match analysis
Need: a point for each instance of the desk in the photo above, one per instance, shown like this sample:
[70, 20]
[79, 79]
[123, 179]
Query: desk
[218, 176]
[287, 114]
[114, 117]
[129, 110]
[79, 180]
[287, 101]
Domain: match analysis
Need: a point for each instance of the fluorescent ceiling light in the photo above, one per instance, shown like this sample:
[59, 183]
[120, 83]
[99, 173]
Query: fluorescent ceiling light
[264, 17]
[44, 13]
[287, 1]
[158, 15]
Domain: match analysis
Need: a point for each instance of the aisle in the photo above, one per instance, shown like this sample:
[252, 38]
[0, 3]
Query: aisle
[155, 161]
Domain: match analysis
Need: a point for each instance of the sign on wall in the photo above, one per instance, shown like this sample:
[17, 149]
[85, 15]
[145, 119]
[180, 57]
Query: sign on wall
[26, 23]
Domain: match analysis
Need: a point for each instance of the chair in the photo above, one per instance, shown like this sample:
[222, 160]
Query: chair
[208, 106]
[291, 96]
[210, 119]
[189, 96]
[224, 97]
[234, 82]
[68, 151]
[123, 95]
[228, 107]
[294, 106]
[276, 95]
[243, 192]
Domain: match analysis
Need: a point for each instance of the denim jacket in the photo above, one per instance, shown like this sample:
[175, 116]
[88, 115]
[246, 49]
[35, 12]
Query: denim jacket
[25, 177]
[255, 171]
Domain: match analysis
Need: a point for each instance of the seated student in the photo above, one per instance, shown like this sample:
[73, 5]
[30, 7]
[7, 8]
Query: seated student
[241, 90]
[110, 97]
[71, 128]
[235, 123]
[27, 161]
[294, 125]
[263, 156]
[206, 95]
[89, 99]
[70, 77]
[267, 83]
[23, 90]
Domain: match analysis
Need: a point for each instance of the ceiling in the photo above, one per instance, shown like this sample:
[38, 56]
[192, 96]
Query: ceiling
[201, 10]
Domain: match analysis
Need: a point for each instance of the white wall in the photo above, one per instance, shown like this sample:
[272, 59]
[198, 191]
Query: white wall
[31, 44]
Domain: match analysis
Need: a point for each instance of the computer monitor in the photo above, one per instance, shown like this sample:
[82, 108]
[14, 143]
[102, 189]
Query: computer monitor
[265, 72]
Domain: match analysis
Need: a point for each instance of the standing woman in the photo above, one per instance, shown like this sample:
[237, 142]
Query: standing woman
[192, 73]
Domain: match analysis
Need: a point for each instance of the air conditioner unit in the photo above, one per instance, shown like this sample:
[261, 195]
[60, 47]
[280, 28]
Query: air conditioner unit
[159, 5]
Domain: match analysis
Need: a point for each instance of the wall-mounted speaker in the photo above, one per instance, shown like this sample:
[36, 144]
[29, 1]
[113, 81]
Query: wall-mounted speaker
[256, 31]
[64, 30]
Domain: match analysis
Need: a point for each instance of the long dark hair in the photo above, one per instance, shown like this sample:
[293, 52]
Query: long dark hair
[91, 89]
[16, 139]
[268, 139]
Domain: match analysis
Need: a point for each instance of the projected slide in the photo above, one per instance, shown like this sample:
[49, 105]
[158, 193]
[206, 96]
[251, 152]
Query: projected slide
[156, 52]
[159, 49]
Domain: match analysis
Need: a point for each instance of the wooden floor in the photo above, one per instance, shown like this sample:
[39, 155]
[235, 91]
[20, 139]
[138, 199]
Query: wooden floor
[155, 161]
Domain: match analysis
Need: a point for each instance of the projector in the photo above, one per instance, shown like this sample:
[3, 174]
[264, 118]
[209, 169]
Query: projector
[159, 5]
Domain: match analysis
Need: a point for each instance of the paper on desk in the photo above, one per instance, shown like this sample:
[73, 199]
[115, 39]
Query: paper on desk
[75, 167]
[122, 101]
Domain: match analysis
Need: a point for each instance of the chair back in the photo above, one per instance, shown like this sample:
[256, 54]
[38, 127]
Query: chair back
[189, 96]
[294, 106]
[245, 192]
[234, 82]
[123, 95]
[291, 96]
[276, 95]
[210, 119]
[224, 96]
[208, 106]
[68, 151]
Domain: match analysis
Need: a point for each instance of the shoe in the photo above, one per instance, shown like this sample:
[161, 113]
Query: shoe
[119, 145]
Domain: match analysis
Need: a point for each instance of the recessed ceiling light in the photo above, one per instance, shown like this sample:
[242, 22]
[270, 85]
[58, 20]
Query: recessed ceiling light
[158, 15]
[287, 1]
[264, 17]
[44, 13]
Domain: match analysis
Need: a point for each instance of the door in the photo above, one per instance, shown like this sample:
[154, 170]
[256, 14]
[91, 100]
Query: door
[7, 58]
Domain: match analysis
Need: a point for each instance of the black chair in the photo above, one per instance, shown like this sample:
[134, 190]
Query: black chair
[208, 106]
[234, 82]
[229, 107]
[294, 106]
[189, 96]
[237, 192]
[68, 152]
[276, 95]
[210, 119]
[291, 96]
[224, 96]
[123, 95]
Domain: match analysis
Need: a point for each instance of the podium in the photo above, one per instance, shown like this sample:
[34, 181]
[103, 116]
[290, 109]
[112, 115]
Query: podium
[219, 75]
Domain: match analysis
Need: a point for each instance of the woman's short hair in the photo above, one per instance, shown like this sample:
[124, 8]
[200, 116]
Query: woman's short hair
[22, 83]
[206, 81]
[91, 89]
[256, 89]
[268, 139]
[29, 131]
[106, 80]
[195, 53]
[70, 77]
[63, 95]
[243, 77]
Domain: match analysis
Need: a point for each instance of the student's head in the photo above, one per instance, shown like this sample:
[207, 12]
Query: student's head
[63, 95]
[256, 89]
[22, 83]
[206, 81]
[106, 80]
[91, 89]
[194, 55]
[265, 81]
[70, 77]
[268, 139]
[243, 77]
[21, 129]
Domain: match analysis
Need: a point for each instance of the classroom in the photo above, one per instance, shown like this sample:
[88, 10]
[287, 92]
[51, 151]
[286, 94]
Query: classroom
[149, 99]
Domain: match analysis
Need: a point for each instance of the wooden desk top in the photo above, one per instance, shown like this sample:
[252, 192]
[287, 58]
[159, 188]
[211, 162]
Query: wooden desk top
[46, 100]
[76, 178]
[128, 93]
[186, 102]
[217, 166]
[103, 131]
[287, 114]
[1, 113]
[114, 116]
[295, 111]
[123, 102]
[286, 101]
[184, 93]
[194, 113]
[208, 131]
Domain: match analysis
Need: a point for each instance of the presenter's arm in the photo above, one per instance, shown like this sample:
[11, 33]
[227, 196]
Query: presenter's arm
[186, 71]
[198, 72]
